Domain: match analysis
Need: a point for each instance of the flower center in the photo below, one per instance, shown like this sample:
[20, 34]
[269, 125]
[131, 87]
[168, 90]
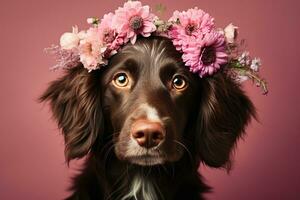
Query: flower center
[87, 48]
[208, 55]
[136, 23]
[108, 36]
[190, 28]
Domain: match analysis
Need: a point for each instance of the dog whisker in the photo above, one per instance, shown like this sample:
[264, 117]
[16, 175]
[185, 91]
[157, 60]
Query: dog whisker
[119, 188]
[186, 149]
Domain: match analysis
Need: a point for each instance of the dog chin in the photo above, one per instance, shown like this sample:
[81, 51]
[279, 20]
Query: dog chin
[146, 160]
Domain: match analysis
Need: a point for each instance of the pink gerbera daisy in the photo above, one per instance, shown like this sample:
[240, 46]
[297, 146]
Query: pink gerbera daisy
[206, 55]
[134, 19]
[189, 25]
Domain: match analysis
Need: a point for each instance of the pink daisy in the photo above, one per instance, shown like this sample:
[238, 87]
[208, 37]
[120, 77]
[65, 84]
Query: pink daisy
[206, 55]
[189, 25]
[134, 19]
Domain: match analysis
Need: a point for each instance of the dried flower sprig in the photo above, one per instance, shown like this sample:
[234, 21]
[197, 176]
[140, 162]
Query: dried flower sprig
[65, 58]
[241, 66]
[244, 68]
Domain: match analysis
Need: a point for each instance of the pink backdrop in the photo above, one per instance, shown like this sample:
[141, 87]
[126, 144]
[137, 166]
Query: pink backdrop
[32, 165]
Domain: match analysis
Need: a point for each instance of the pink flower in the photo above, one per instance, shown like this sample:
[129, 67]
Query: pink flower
[205, 56]
[108, 33]
[134, 19]
[91, 50]
[189, 25]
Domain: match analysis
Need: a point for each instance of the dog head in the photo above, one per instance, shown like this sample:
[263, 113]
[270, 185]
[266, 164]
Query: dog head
[152, 109]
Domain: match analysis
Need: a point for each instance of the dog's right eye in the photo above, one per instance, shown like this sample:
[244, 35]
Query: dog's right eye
[121, 80]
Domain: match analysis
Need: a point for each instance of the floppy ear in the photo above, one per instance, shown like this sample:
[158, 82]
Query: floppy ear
[76, 105]
[223, 115]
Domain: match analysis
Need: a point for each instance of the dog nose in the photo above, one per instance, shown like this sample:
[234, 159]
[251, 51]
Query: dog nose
[147, 134]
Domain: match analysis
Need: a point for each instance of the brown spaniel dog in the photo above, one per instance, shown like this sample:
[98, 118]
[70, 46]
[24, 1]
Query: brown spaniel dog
[145, 124]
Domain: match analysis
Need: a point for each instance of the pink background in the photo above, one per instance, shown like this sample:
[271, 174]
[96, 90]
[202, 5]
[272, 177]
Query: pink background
[267, 162]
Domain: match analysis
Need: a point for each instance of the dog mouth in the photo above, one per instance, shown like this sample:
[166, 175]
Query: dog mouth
[146, 160]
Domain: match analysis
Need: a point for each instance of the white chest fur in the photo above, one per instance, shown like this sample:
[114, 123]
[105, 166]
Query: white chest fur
[141, 188]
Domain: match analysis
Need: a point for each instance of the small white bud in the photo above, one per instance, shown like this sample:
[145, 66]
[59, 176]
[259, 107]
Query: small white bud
[230, 33]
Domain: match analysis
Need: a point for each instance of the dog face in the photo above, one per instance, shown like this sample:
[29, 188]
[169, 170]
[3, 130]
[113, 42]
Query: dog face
[148, 96]
[152, 109]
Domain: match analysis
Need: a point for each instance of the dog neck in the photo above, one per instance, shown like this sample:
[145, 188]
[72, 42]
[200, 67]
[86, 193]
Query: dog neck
[142, 188]
[118, 180]
[132, 182]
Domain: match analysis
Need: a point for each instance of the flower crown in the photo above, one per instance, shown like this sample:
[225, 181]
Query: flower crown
[205, 49]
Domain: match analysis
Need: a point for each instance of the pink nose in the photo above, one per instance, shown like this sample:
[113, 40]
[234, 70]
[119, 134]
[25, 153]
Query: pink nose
[147, 133]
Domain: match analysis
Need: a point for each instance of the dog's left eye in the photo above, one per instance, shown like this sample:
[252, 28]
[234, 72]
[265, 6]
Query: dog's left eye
[179, 83]
[121, 80]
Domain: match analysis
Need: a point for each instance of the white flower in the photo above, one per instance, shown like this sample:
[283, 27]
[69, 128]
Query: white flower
[230, 32]
[92, 20]
[255, 64]
[158, 22]
[244, 59]
[70, 40]
[241, 78]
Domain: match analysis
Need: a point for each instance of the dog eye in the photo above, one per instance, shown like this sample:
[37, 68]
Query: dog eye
[179, 83]
[121, 80]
